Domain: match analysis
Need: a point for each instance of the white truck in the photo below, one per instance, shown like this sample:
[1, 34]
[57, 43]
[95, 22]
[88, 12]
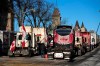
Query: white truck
[39, 39]
[19, 50]
[37, 36]
[93, 40]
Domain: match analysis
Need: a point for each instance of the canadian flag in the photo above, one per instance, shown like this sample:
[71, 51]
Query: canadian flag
[12, 46]
[45, 35]
[23, 36]
[44, 40]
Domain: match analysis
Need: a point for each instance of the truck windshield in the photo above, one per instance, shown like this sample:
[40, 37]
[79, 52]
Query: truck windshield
[63, 31]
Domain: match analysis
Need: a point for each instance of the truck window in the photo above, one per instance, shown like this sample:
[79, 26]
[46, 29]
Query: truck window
[28, 37]
[77, 39]
[93, 40]
[20, 37]
[38, 39]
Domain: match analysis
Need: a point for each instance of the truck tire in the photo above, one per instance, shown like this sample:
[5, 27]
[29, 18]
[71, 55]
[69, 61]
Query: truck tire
[80, 52]
[10, 54]
[72, 55]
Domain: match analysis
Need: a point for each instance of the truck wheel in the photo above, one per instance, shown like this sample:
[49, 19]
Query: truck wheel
[80, 52]
[72, 55]
[30, 53]
[72, 58]
[10, 54]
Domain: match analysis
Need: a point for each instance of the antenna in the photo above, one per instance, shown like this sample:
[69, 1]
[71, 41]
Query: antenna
[56, 4]
[98, 27]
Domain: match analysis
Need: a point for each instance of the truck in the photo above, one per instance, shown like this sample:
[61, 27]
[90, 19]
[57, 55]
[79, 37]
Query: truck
[78, 43]
[39, 41]
[86, 41]
[63, 43]
[6, 37]
[33, 37]
[93, 40]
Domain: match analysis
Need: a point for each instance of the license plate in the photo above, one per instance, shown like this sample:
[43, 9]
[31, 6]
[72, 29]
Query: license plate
[58, 55]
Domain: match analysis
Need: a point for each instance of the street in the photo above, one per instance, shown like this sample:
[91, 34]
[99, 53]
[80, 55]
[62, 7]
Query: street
[89, 59]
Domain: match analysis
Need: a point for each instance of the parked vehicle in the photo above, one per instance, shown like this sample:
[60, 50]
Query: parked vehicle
[78, 43]
[93, 40]
[39, 40]
[63, 43]
[34, 39]
[5, 40]
[21, 49]
[86, 41]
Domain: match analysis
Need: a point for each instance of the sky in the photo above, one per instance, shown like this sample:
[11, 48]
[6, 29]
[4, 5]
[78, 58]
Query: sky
[86, 11]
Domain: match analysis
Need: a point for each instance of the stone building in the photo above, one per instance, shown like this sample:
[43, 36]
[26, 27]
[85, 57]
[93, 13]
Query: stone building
[6, 15]
[77, 27]
[83, 29]
[56, 18]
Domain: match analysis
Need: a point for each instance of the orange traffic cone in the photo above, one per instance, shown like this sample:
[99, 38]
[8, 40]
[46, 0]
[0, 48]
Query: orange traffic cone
[46, 56]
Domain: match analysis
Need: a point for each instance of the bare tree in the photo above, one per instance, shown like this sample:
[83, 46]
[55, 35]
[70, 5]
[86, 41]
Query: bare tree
[41, 16]
[20, 7]
[43, 12]
[64, 21]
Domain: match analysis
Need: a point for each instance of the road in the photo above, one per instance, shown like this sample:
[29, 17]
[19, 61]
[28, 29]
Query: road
[89, 59]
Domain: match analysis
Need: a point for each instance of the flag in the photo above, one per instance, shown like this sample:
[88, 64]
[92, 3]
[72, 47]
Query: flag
[12, 46]
[44, 40]
[23, 36]
[45, 35]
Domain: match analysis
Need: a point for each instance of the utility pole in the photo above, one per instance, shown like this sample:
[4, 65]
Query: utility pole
[98, 27]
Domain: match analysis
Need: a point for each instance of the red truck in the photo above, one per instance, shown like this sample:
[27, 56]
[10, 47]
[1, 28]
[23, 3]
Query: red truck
[63, 43]
[86, 41]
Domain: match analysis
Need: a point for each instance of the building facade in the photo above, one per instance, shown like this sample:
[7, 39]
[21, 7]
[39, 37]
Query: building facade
[56, 19]
[6, 15]
[77, 27]
[83, 29]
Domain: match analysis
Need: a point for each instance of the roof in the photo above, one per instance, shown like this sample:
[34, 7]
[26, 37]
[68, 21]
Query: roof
[56, 12]
[82, 26]
[76, 26]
